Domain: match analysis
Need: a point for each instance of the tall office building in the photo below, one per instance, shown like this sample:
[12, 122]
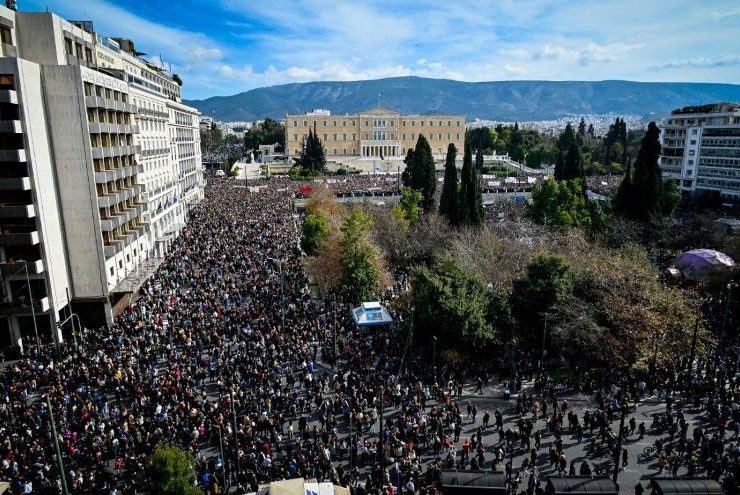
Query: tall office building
[88, 157]
[701, 149]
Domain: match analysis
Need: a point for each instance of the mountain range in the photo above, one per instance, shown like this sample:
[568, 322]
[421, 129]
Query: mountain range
[495, 100]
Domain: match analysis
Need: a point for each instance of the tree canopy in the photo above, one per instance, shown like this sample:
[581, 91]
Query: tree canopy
[420, 173]
[360, 277]
[312, 155]
[457, 307]
[170, 471]
[470, 198]
[448, 200]
[640, 195]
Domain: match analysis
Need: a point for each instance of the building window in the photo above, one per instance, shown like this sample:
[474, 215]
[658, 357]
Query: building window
[431, 136]
[449, 123]
[334, 137]
[458, 123]
[458, 135]
[439, 136]
[403, 123]
[412, 123]
[305, 123]
[344, 123]
[692, 152]
[6, 36]
[295, 123]
[7, 81]
[112, 273]
[334, 151]
[325, 139]
[344, 151]
[344, 137]
[68, 46]
[335, 123]
[324, 123]
[693, 141]
[295, 137]
[403, 136]
[354, 137]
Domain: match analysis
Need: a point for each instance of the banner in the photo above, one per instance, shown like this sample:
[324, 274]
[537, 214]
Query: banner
[494, 183]
[531, 180]
[510, 180]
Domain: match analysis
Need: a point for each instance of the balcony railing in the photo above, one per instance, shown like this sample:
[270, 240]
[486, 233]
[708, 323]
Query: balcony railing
[22, 306]
[19, 238]
[10, 269]
[15, 184]
[17, 211]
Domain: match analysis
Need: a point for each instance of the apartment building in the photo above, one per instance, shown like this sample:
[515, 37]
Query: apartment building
[701, 149]
[375, 133]
[86, 153]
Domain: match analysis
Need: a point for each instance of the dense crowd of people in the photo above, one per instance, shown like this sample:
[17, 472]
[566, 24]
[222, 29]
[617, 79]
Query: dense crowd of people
[226, 354]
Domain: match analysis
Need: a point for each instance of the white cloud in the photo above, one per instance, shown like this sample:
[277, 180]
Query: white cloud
[702, 62]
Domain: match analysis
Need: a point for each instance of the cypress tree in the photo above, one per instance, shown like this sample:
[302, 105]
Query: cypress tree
[407, 177]
[573, 168]
[426, 180]
[582, 127]
[470, 203]
[565, 143]
[479, 159]
[622, 202]
[647, 181]
[448, 200]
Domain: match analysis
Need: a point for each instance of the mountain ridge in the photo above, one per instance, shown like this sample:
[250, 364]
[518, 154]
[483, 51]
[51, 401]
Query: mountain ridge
[491, 100]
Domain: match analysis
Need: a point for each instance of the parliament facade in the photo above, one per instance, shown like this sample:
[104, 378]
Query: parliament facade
[377, 133]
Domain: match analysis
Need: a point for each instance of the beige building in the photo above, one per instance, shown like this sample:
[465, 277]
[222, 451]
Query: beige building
[101, 162]
[375, 133]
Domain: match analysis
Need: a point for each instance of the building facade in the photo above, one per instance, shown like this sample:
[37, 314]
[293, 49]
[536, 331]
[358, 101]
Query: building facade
[376, 133]
[701, 149]
[86, 142]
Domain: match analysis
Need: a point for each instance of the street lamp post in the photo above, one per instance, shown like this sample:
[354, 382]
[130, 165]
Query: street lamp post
[618, 450]
[381, 452]
[60, 462]
[30, 299]
[544, 338]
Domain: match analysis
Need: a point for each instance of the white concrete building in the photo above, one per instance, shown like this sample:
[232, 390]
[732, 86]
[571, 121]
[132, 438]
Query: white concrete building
[701, 149]
[85, 141]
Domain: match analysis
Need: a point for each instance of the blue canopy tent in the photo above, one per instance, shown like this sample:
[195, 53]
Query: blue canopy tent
[371, 314]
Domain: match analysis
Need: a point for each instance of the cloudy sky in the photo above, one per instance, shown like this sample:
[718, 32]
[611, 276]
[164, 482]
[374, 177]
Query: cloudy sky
[223, 47]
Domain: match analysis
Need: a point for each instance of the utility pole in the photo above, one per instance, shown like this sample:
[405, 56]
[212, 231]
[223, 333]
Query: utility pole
[60, 462]
[381, 450]
[351, 410]
[334, 316]
[221, 449]
[544, 338]
[236, 438]
[618, 450]
[693, 352]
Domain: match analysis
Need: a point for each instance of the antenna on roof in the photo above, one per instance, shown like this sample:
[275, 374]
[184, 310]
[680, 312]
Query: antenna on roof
[379, 95]
[161, 62]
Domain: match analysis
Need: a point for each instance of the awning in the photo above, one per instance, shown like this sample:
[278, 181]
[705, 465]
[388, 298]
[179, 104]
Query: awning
[468, 482]
[685, 486]
[581, 484]
[371, 314]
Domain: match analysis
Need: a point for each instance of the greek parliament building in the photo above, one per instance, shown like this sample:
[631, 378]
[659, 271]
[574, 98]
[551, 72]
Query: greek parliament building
[375, 133]
[701, 149]
[100, 164]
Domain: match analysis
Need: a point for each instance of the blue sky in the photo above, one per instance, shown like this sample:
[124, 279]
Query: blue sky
[223, 47]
